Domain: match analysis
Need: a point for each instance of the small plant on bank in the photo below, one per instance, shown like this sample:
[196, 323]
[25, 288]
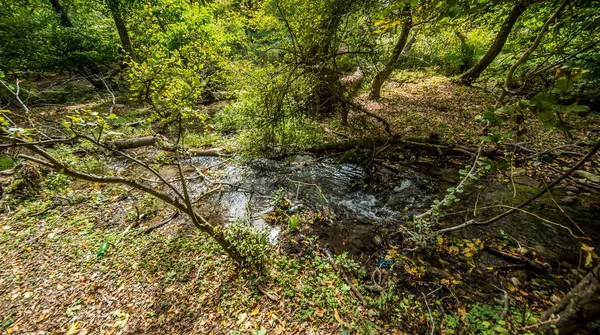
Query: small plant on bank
[253, 244]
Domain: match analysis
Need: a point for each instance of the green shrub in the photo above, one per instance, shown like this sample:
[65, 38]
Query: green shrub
[270, 113]
[252, 243]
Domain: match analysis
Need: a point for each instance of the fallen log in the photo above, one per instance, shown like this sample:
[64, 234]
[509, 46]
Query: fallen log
[132, 143]
[525, 261]
[206, 152]
[380, 141]
[160, 141]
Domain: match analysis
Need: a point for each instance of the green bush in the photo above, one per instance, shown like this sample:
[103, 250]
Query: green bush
[270, 114]
[252, 243]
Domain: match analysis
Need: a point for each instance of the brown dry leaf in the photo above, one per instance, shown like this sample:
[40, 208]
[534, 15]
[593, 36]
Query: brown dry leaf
[280, 329]
[336, 315]
[463, 314]
[589, 255]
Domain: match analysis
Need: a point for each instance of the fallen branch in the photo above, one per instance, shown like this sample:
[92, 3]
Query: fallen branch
[517, 259]
[342, 274]
[40, 143]
[430, 315]
[545, 152]
[363, 110]
[163, 223]
[530, 200]
[273, 297]
[216, 152]
[381, 141]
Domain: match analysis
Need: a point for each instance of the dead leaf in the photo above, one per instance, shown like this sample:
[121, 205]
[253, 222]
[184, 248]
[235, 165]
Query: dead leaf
[336, 315]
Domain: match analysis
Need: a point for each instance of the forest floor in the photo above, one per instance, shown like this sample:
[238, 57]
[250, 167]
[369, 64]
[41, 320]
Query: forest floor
[74, 260]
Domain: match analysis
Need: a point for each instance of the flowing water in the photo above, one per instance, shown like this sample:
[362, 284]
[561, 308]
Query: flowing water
[366, 204]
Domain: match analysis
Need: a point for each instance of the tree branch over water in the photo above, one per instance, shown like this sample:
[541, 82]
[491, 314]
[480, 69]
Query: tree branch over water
[530, 200]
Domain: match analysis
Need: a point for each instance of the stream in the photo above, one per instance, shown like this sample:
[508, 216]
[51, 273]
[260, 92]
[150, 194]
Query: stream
[365, 205]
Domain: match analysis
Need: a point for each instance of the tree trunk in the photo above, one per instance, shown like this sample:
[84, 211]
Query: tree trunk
[117, 14]
[580, 306]
[64, 18]
[509, 75]
[383, 75]
[474, 72]
[410, 43]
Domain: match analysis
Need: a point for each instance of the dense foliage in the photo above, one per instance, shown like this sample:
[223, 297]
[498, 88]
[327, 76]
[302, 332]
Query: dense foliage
[284, 59]
[298, 76]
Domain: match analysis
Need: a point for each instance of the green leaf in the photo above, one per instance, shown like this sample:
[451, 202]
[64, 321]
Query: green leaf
[454, 10]
[562, 86]
[102, 250]
[579, 109]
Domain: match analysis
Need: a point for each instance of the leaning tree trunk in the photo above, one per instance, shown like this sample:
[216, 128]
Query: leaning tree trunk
[580, 306]
[383, 75]
[525, 56]
[474, 72]
[410, 43]
[117, 14]
[64, 18]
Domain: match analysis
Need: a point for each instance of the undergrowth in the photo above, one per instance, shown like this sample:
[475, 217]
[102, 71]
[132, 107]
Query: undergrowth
[188, 273]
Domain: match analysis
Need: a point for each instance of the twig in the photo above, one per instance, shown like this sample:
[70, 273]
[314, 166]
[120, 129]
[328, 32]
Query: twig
[16, 94]
[111, 94]
[315, 185]
[165, 222]
[26, 144]
[204, 195]
[521, 260]
[553, 319]
[536, 155]
[430, 315]
[506, 304]
[363, 110]
[458, 187]
[512, 171]
[267, 294]
[344, 277]
[565, 213]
